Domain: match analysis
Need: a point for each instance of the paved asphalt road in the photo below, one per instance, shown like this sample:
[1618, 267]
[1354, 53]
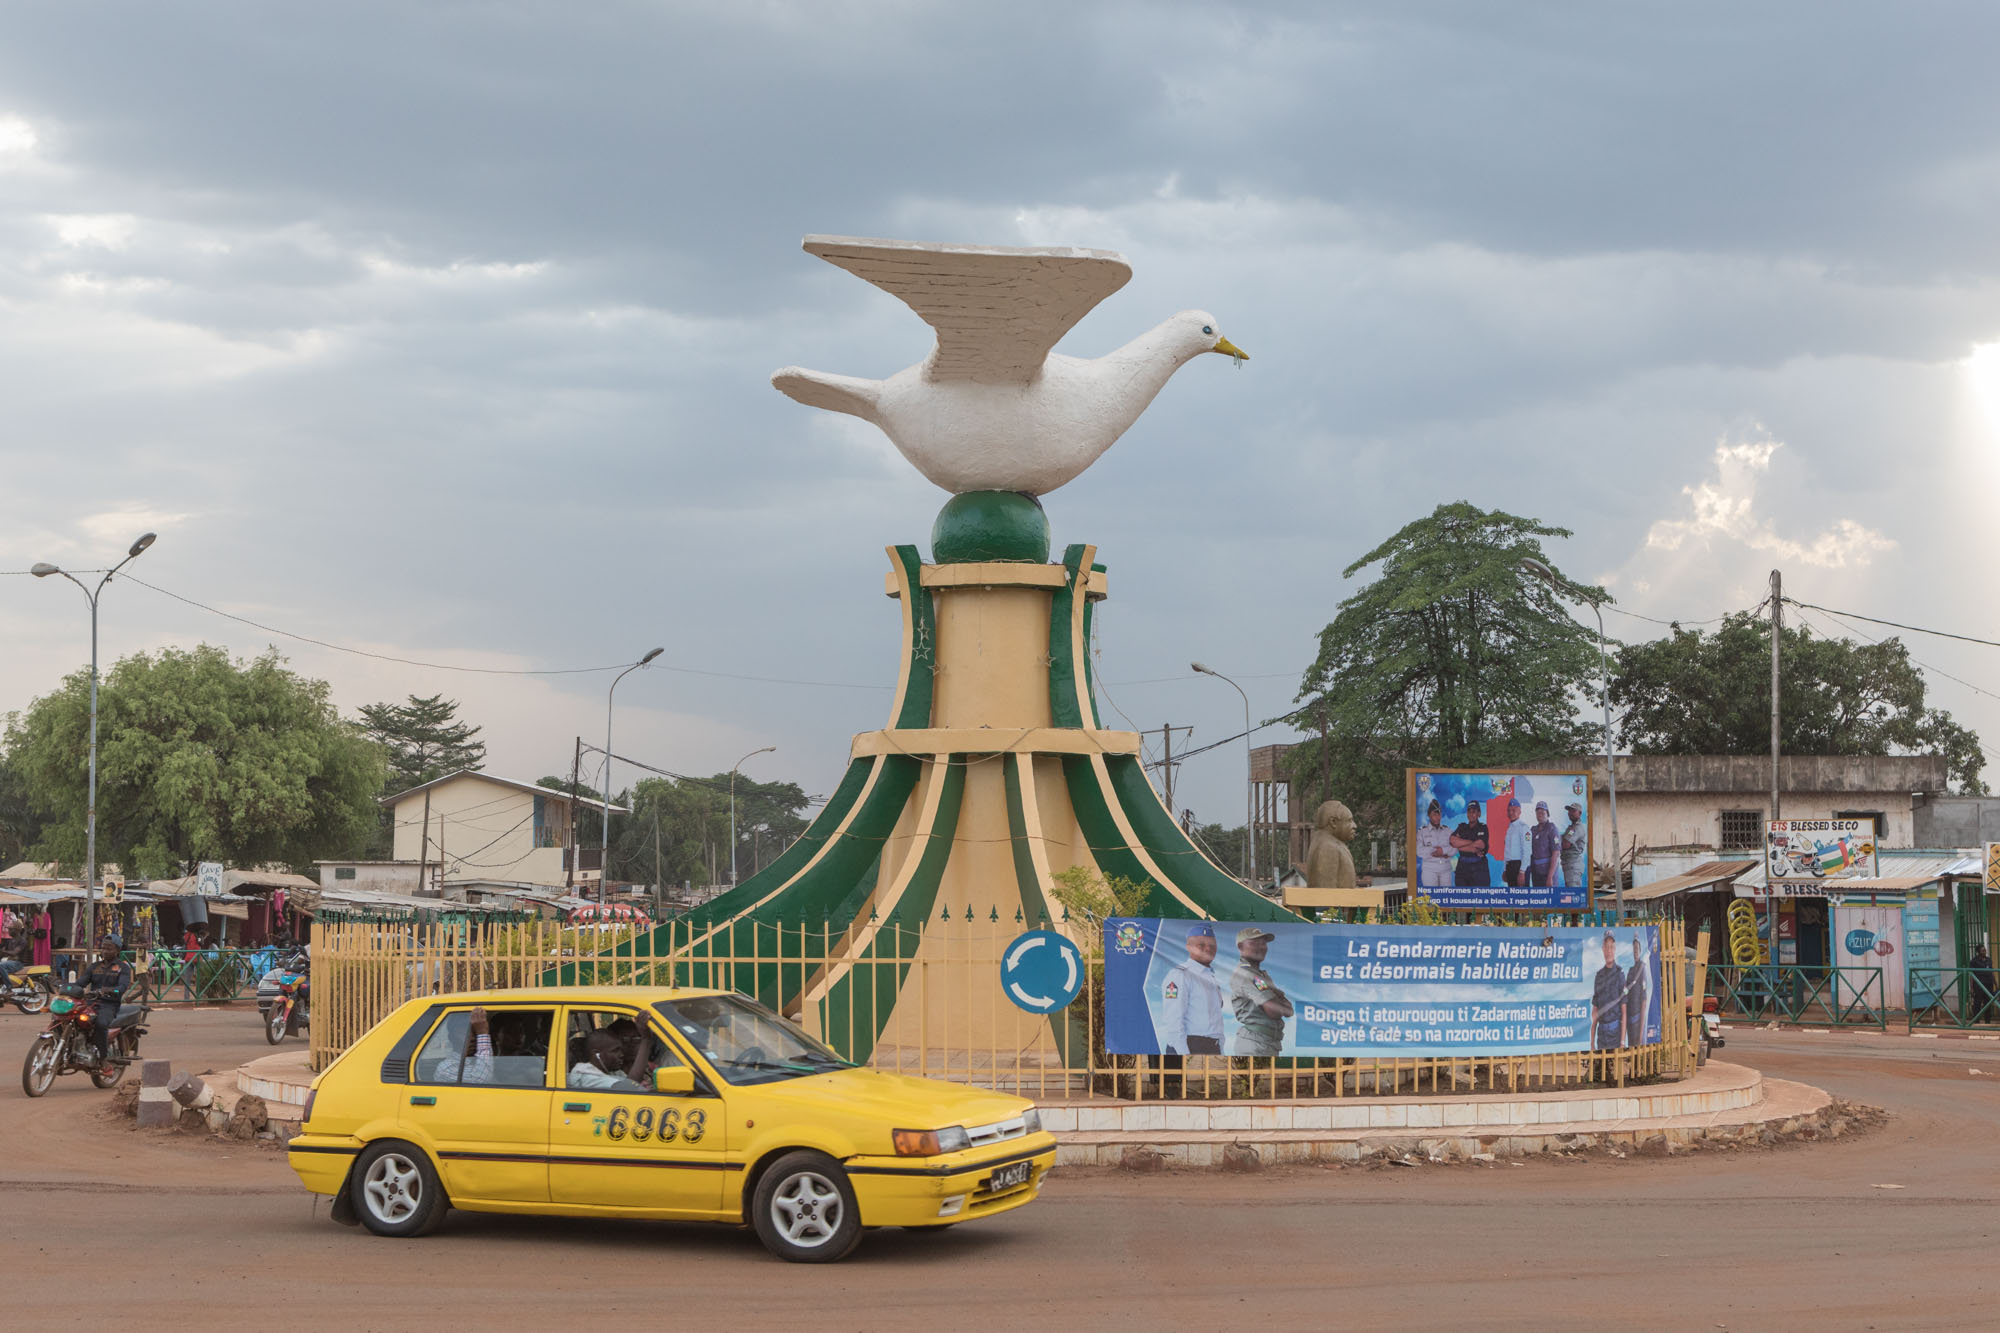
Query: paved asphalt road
[221, 1237]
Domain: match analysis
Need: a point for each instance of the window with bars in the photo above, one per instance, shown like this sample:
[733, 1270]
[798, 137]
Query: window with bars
[1742, 830]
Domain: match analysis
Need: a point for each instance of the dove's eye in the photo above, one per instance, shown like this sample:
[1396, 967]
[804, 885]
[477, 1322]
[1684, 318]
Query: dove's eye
[1208, 329]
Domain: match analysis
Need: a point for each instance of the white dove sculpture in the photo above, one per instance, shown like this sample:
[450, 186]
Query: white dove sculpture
[994, 408]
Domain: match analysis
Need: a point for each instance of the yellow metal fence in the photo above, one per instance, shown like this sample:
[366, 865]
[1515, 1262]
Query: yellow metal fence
[943, 1014]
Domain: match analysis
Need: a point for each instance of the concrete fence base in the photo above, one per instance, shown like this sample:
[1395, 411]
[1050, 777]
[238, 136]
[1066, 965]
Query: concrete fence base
[156, 1104]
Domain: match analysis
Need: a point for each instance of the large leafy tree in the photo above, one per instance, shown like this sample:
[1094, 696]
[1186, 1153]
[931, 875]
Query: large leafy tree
[200, 758]
[422, 739]
[1696, 692]
[679, 828]
[1452, 657]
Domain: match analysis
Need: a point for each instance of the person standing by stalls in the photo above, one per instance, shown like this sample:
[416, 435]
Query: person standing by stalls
[1433, 849]
[42, 934]
[1544, 840]
[1260, 1007]
[1515, 844]
[1469, 841]
[1981, 964]
[1575, 847]
[1607, 1000]
[1636, 994]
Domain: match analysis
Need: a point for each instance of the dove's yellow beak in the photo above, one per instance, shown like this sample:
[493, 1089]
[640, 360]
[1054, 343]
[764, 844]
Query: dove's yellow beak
[1228, 348]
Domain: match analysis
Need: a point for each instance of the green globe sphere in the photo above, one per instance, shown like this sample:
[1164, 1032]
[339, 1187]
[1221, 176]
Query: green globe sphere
[990, 525]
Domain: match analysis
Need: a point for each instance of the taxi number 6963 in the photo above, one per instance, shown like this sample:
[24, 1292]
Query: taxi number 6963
[642, 1125]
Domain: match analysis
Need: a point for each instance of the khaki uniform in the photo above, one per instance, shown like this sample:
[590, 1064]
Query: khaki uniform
[1257, 1032]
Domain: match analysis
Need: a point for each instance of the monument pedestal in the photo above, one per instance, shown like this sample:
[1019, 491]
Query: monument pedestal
[885, 922]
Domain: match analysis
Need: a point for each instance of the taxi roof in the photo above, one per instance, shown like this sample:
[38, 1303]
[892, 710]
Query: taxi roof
[563, 994]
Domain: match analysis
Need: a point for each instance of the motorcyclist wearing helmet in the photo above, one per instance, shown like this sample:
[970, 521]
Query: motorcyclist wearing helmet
[106, 982]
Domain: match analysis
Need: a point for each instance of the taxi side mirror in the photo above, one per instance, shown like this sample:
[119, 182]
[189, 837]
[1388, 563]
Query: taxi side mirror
[674, 1080]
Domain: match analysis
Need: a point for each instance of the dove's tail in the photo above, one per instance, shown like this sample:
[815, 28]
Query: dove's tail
[835, 393]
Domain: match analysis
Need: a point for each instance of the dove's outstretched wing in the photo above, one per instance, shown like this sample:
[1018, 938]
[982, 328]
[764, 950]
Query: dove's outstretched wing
[998, 310]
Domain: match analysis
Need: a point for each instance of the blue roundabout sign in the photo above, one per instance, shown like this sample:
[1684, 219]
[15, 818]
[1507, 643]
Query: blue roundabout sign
[1041, 971]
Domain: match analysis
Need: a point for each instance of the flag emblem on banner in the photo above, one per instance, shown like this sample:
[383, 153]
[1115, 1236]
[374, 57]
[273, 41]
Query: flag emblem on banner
[1833, 857]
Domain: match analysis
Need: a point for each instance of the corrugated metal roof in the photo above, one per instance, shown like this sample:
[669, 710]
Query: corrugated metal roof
[1712, 872]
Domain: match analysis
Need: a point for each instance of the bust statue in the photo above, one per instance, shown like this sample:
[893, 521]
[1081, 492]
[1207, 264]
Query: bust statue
[1329, 864]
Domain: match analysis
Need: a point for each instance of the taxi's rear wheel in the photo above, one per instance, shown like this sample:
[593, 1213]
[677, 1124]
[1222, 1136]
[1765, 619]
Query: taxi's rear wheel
[395, 1190]
[804, 1210]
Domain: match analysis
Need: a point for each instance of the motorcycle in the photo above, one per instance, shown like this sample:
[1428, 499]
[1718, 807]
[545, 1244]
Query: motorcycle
[287, 1012]
[65, 1047]
[1711, 1024]
[30, 989]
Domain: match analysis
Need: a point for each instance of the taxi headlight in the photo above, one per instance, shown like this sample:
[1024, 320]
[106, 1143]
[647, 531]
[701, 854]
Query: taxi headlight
[915, 1142]
[1032, 1119]
[930, 1142]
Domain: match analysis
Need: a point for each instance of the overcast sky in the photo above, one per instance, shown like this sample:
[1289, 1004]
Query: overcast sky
[444, 331]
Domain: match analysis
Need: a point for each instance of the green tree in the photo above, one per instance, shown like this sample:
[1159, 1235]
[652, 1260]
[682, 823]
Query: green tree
[20, 826]
[679, 828]
[422, 740]
[1692, 692]
[1452, 657]
[200, 758]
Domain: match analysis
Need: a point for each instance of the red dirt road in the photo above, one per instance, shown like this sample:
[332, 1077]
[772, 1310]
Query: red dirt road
[1797, 1237]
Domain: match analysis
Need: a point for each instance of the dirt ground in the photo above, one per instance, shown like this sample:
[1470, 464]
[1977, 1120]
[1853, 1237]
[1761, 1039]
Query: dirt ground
[1802, 1236]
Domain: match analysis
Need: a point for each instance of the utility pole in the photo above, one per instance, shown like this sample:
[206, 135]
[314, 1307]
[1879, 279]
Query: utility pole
[424, 848]
[569, 850]
[1167, 731]
[1777, 634]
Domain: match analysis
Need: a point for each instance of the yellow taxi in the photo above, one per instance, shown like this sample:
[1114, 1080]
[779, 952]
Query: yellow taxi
[600, 1101]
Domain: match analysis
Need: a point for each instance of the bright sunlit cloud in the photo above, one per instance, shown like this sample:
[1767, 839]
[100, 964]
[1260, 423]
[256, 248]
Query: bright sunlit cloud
[1982, 374]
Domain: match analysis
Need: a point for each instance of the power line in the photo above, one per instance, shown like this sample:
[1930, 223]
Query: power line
[1894, 624]
[488, 671]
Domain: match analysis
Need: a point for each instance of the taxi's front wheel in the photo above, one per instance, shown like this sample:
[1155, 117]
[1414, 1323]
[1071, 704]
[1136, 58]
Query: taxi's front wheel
[395, 1190]
[804, 1210]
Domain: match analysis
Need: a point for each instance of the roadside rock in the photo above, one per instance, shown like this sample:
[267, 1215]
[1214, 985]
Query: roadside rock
[1241, 1157]
[249, 1118]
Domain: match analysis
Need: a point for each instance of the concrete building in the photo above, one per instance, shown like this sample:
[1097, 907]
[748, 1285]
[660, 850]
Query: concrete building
[475, 825]
[1673, 806]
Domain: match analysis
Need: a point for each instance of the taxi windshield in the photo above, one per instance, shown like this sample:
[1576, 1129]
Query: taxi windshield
[746, 1042]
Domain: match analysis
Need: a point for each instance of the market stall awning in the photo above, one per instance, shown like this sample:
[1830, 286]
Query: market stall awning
[1710, 875]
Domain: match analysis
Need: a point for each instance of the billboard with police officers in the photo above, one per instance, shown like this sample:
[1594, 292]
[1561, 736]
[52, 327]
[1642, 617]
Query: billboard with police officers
[1178, 987]
[1485, 841]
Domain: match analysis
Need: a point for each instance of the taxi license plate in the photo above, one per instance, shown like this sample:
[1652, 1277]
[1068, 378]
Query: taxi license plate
[1007, 1177]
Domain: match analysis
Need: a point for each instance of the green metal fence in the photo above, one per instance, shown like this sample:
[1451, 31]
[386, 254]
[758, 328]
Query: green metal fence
[209, 976]
[1793, 993]
[1953, 997]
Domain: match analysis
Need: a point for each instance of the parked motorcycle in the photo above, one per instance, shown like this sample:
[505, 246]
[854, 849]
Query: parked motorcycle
[1711, 1024]
[65, 1047]
[29, 989]
[287, 1011]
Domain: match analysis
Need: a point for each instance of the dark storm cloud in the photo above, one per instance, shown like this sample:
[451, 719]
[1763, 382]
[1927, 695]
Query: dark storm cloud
[447, 328]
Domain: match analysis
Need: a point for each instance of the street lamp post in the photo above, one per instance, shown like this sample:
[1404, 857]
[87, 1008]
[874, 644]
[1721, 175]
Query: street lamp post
[732, 807]
[1249, 785]
[1548, 576]
[42, 571]
[604, 847]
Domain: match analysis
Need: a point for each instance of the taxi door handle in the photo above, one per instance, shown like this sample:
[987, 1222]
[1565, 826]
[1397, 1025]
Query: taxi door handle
[423, 1101]
[576, 1106]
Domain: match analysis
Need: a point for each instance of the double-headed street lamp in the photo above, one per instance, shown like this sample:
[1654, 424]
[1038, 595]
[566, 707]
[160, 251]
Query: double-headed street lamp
[604, 849]
[1548, 576]
[42, 571]
[1249, 783]
[732, 807]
